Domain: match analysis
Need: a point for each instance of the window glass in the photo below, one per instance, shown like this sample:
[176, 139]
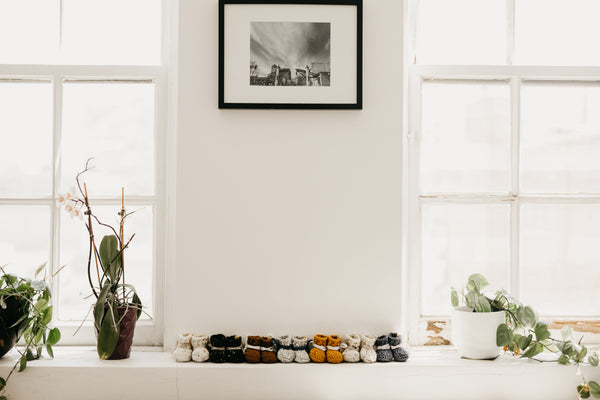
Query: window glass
[24, 238]
[26, 126]
[461, 32]
[465, 143]
[560, 138]
[557, 32]
[559, 255]
[114, 124]
[29, 31]
[112, 31]
[457, 241]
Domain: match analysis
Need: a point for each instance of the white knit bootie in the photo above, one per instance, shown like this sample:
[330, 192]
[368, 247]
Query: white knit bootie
[200, 352]
[367, 349]
[183, 351]
[350, 347]
[299, 346]
[285, 354]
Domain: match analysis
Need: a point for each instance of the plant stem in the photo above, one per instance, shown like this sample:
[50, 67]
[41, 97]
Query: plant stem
[122, 236]
[92, 243]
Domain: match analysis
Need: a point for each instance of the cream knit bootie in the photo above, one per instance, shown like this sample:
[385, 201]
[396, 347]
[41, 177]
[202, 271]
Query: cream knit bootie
[285, 354]
[200, 352]
[367, 349]
[350, 348]
[183, 351]
[299, 347]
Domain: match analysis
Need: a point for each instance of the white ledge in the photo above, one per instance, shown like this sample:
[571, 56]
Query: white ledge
[77, 373]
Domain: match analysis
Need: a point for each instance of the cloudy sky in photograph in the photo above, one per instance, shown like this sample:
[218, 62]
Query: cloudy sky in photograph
[289, 44]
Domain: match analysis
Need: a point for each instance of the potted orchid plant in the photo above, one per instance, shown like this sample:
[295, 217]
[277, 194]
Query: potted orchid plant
[117, 306]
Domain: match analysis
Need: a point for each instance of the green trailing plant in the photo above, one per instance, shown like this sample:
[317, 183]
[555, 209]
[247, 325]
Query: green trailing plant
[524, 335]
[31, 300]
[109, 287]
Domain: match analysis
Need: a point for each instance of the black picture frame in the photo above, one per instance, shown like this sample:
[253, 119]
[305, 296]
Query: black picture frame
[349, 102]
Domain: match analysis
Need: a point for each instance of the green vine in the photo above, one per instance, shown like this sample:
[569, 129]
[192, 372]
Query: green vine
[33, 297]
[524, 335]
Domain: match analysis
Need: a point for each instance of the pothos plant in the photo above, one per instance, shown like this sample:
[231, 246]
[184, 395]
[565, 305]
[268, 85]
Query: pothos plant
[523, 335]
[31, 300]
[108, 286]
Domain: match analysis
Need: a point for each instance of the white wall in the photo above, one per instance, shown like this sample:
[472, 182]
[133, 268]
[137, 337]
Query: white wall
[287, 221]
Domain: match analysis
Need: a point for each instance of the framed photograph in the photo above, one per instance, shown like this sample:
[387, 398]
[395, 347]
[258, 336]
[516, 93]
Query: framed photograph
[290, 54]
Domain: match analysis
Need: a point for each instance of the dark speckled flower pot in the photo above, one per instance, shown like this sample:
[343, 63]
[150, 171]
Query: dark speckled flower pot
[123, 349]
[14, 310]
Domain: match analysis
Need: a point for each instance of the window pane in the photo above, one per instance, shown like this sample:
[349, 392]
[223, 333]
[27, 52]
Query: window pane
[465, 144]
[461, 32]
[26, 138]
[24, 238]
[457, 241]
[29, 31]
[114, 123]
[112, 31]
[559, 255]
[74, 286]
[560, 139]
[557, 32]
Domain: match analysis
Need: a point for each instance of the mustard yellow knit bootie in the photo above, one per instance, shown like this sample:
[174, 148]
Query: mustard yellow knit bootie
[334, 356]
[317, 352]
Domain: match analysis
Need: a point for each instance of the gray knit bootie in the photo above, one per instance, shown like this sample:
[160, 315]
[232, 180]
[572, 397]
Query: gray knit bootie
[350, 347]
[384, 352]
[400, 354]
[299, 344]
[285, 354]
[367, 349]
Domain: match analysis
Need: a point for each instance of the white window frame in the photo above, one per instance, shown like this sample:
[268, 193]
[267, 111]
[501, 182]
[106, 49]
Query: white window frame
[148, 332]
[434, 329]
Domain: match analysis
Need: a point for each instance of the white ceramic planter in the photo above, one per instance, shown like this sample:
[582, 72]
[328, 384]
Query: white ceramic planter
[474, 334]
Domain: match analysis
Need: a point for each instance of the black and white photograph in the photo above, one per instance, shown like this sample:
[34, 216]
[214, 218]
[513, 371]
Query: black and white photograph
[290, 54]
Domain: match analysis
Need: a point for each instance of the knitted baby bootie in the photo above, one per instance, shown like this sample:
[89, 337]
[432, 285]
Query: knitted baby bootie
[200, 352]
[367, 349]
[299, 347]
[234, 352]
[183, 350]
[268, 350]
[399, 353]
[285, 354]
[384, 352]
[334, 356]
[252, 352]
[216, 351]
[318, 348]
[350, 348]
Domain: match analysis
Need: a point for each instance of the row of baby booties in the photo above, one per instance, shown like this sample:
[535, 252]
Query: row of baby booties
[332, 349]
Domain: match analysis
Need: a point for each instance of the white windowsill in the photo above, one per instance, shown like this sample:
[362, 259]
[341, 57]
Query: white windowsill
[77, 373]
